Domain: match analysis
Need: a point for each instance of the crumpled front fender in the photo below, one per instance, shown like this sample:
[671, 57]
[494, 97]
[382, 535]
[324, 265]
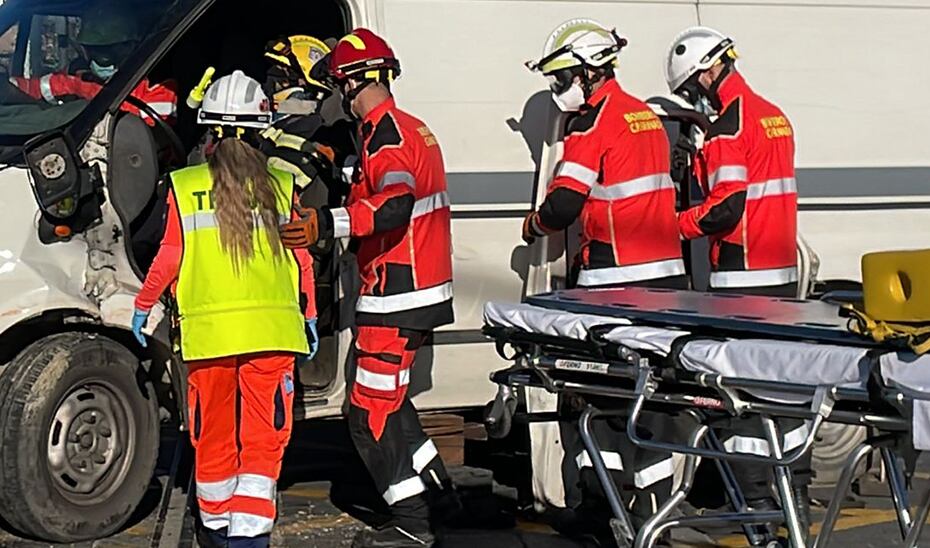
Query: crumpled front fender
[36, 278]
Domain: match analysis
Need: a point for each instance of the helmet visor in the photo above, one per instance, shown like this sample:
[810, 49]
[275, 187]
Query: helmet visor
[320, 71]
[561, 80]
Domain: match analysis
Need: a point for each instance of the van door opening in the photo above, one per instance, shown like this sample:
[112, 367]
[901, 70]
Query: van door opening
[232, 35]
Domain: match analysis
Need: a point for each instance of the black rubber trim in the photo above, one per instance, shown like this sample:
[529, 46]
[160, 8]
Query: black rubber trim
[875, 206]
[492, 214]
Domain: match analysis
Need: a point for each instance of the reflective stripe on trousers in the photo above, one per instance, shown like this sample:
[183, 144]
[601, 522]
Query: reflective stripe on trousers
[760, 446]
[643, 478]
[381, 381]
[404, 490]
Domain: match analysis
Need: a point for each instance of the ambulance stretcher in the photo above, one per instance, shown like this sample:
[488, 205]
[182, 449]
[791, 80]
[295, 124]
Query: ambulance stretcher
[713, 356]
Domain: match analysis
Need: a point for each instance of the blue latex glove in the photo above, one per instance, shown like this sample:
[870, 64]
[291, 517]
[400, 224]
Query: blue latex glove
[314, 338]
[138, 322]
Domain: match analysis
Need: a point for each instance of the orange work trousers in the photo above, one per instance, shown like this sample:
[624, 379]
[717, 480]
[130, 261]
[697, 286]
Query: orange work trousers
[240, 420]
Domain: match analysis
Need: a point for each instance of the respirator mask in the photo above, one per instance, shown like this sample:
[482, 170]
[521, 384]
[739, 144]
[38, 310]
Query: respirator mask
[567, 94]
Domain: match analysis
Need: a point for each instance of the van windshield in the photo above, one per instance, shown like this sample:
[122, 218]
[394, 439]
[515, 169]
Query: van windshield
[56, 55]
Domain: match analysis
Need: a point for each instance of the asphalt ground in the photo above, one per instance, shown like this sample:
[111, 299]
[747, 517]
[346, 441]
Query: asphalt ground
[321, 468]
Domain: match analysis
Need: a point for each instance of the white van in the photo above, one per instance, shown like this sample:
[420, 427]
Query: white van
[81, 402]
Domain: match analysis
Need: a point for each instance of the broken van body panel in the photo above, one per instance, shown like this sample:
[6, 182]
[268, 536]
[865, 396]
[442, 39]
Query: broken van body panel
[39, 278]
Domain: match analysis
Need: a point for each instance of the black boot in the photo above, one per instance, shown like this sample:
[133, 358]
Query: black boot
[208, 538]
[393, 537]
[765, 533]
[409, 527]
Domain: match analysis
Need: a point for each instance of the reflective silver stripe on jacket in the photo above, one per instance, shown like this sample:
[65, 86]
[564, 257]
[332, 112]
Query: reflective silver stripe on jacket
[577, 172]
[45, 88]
[396, 178]
[405, 301]
[728, 173]
[772, 187]
[342, 224]
[207, 219]
[591, 277]
[433, 202]
[754, 278]
[633, 187]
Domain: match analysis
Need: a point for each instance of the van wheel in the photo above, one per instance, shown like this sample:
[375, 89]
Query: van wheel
[832, 447]
[78, 437]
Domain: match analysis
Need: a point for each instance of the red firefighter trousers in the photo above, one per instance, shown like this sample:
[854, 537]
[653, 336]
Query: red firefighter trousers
[240, 419]
[385, 428]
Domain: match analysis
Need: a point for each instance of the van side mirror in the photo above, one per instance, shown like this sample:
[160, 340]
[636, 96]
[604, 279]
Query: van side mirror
[69, 193]
[56, 177]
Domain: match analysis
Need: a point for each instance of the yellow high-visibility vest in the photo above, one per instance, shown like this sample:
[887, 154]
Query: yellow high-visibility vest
[225, 312]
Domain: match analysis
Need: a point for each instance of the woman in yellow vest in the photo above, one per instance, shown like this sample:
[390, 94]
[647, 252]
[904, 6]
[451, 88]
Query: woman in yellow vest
[238, 292]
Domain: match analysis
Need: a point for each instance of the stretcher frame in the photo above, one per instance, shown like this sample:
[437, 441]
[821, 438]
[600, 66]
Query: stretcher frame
[636, 380]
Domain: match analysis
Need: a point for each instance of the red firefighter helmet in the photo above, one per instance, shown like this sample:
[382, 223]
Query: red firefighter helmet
[363, 55]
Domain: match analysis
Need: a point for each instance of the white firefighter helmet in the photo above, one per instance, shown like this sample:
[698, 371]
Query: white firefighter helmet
[694, 50]
[235, 100]
[579, 42]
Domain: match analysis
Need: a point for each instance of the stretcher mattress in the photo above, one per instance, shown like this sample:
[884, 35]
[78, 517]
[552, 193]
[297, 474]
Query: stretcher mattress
[701, 312]
[738, 353]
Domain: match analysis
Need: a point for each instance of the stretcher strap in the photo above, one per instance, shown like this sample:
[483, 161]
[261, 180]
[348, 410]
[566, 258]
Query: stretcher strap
[916, 337]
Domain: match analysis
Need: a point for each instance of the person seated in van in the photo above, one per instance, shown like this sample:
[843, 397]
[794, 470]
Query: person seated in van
[238, 292]
[108, 35]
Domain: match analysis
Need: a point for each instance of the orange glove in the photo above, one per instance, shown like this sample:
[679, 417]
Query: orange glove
[302, 233]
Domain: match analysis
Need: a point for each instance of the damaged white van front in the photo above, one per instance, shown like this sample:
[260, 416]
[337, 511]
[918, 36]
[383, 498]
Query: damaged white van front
[79, 401]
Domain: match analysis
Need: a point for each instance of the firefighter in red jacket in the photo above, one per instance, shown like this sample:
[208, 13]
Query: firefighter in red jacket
[614, 175]
[108, 35]
[398, 215]
[614, 172]
[746, 168]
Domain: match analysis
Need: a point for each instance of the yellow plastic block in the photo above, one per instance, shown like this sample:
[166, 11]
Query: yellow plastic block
[896, 285]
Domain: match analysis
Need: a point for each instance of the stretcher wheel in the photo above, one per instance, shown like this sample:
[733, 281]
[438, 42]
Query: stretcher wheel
[498, 417]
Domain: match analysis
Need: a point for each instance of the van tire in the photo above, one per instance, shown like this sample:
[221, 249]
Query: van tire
[79, 436]
[831, 449]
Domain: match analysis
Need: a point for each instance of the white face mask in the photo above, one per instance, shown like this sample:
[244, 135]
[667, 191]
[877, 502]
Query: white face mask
[571, 99]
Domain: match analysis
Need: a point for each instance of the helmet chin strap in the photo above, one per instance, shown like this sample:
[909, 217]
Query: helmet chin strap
[349, 96]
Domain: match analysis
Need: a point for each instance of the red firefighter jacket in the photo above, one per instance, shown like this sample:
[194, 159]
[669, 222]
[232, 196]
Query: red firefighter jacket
[747, 174]
[53, 88]
[614, 173]
[398, 212]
